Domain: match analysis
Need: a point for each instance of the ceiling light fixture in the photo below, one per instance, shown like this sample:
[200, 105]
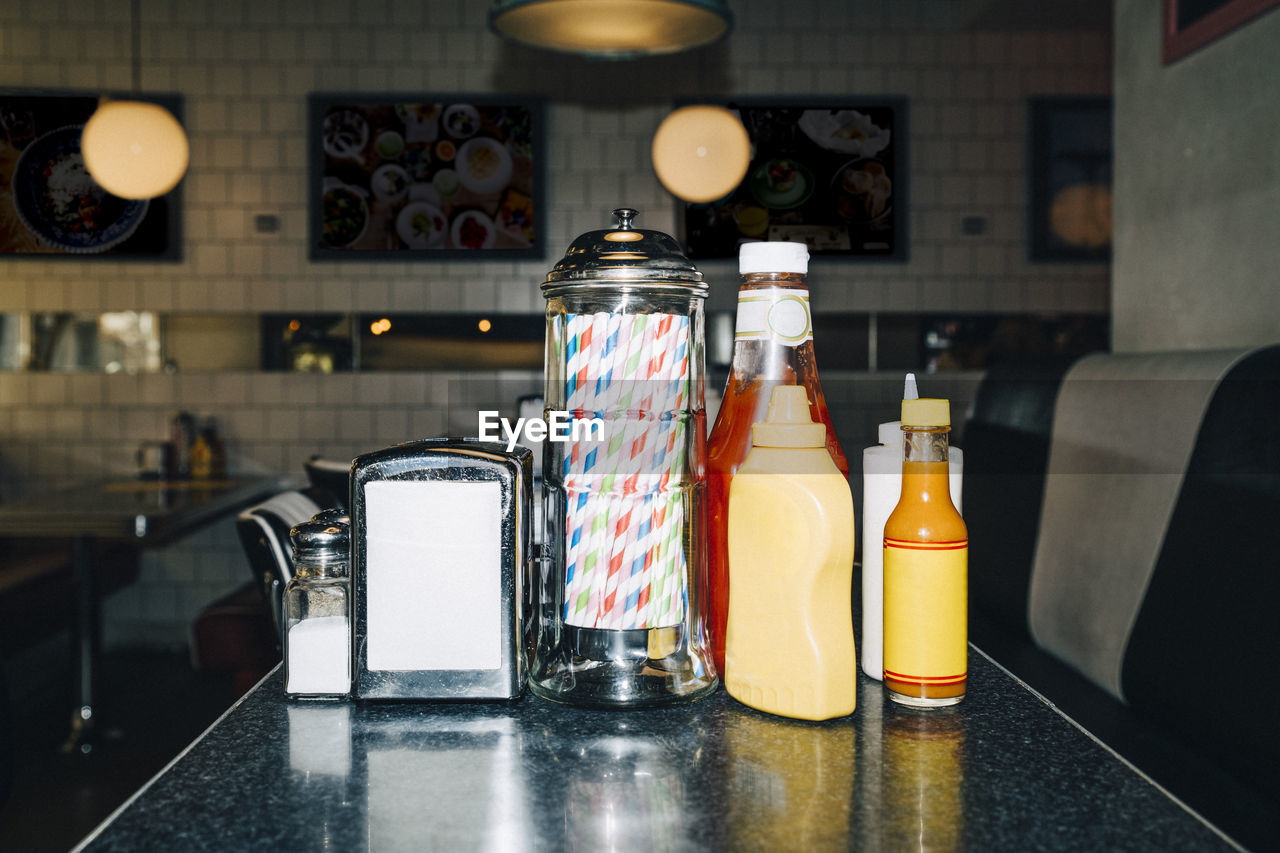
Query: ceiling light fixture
[612, 29]
[134, 149]
[701, 153]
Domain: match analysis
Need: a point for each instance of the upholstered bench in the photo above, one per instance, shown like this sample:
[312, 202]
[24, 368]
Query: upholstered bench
[1123, 561]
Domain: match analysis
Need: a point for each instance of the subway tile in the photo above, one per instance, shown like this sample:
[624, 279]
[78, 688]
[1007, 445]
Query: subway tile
[246, 188]
[209, 45]
[991, 190]
[957, 260]
[887, 50]
[235, 423]
[991, 119]
[924, 49]
[991, 49]
[973, 155]
[228, 151]
[902, 81]
[247, 45]
[1007, 294]
[956, 190]
[990, 260]
[247, 117]
[353, 423]
[211, 259]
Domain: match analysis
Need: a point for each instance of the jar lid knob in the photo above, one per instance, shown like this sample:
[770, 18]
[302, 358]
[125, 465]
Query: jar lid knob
[624, 216]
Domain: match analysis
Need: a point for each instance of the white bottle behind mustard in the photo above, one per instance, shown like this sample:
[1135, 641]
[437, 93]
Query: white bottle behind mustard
[881, 488]
[789, 647]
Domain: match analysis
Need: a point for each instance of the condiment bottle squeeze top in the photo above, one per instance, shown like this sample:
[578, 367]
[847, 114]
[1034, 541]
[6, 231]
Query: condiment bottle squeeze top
[317, 610]
[881, 488]
[773, 345]
[790, 648]
[926, 555]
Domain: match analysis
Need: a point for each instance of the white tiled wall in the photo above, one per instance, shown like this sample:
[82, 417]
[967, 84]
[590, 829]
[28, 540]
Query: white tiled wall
[245, 68]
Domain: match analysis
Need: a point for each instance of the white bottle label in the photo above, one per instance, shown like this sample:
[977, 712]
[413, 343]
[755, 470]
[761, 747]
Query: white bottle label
[779, 314]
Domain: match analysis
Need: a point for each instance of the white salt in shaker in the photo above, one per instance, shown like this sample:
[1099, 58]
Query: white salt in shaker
[317, 610]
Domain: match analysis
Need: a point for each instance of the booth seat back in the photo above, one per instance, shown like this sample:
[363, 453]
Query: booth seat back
[1006, 444]
[264, 533]
[332, 477]
[1200, 653]
[1189, 665]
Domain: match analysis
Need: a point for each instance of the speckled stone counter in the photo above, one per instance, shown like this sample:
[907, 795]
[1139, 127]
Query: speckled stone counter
[1002, 771]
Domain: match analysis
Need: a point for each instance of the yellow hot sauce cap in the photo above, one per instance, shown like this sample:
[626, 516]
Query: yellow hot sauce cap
[926, 412]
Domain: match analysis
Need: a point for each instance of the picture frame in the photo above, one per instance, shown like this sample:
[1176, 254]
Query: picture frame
[1191, 24]
[829, 173]
[51, 208]
[425, 176]
[1069, 168]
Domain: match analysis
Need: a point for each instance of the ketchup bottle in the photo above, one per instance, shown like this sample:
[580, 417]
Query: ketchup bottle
[773, 345]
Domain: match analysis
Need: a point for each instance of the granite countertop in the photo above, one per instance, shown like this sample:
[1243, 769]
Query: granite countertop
[1001, 771]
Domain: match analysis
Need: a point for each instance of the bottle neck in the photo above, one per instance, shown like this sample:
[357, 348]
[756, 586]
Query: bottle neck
[773, 335]
[925, 473]
[761, 280]
[925, 444]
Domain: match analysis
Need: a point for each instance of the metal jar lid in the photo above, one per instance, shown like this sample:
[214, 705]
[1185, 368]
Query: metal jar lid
[321, 542]
[625, 256]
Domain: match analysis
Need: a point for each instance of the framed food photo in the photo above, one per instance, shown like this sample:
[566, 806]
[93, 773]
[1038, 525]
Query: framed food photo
[50, 207]
[1191, 24]
[830, 174]
[425, 176]
[1069, 179]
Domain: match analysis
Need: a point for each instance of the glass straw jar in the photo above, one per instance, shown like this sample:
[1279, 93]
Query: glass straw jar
[619, 622]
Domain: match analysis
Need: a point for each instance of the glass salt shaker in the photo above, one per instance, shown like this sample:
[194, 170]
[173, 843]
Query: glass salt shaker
[317, 610]
[619, 612]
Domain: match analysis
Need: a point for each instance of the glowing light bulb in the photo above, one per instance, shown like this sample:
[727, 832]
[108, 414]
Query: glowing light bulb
[134, 149]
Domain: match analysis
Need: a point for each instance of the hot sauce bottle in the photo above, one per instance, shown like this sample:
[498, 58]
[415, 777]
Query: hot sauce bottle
[773, 345]
[926, 558]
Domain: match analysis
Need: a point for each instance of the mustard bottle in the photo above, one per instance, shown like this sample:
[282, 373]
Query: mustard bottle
[789, 642]
[926, 569]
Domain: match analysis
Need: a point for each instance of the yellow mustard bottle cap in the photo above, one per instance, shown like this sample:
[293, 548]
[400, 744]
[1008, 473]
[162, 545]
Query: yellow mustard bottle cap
[788, 423]
[926, 412]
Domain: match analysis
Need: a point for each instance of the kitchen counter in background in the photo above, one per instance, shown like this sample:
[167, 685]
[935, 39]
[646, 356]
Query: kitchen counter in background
[1001, 771]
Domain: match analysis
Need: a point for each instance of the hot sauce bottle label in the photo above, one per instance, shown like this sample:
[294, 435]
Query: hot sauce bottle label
[926, 611]
[779, 314]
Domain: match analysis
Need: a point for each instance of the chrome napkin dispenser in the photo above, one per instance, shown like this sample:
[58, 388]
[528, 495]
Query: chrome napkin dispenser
[441, 570]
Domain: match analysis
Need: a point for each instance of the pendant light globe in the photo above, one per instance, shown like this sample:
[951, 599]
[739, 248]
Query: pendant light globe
[134, 149]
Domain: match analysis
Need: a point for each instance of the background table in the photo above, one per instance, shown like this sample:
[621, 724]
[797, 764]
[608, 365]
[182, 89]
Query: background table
[143, 512]
[1001, 771]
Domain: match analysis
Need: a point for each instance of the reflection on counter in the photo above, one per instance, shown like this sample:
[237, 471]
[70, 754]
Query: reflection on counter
[923, 776]
[320, 739]
[784, 773]
[443, 782]
[619, 787]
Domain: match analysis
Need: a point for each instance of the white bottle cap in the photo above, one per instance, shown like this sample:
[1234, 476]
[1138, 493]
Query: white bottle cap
[890, 434]
[773, 256]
